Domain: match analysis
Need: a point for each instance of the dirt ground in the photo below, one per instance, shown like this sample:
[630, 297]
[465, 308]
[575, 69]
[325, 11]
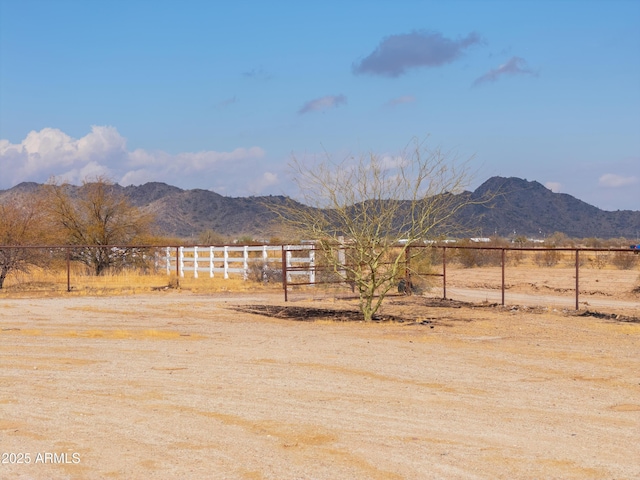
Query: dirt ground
[177, 385]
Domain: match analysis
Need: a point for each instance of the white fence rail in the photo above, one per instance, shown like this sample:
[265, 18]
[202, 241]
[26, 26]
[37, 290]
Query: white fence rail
[233, 259]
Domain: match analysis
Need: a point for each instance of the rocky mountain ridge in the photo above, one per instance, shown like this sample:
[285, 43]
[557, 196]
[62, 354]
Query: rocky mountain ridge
[517, 207]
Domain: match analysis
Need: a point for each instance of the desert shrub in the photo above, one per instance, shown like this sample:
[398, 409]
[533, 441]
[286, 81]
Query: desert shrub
[559, 239]
[421, 267]
[477, 255]
[435, 255]
[593, 242]
[515, 257]
[548, 258]
[521, 241]
[468, 257]
[584, 259]
[599, 260]
[264, 272]
[247, 240]
[422, 260]
[210, 237]
[624, 260]
[491, 258]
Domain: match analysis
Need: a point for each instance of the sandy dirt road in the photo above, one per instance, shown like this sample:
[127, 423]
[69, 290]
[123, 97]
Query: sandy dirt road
[511, 298]
[607, 289]
[177, 385]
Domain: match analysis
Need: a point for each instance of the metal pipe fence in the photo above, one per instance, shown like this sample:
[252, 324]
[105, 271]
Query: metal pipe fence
[519, 275]
[58, 267]
[498, 274]
[556, 271]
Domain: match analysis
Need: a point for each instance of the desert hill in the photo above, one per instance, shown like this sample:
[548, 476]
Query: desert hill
[524, 207]
[531, 209]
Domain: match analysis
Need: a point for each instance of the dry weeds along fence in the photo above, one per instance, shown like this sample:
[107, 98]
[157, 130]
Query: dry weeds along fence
[562, 271]
[63, 267]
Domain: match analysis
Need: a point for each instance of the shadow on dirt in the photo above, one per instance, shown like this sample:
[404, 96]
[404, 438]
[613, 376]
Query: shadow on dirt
[432, 302]
[309, 314]
[609, 316]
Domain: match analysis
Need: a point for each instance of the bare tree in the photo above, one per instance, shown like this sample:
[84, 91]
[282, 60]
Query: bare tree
[94, 215]
[21, 225]
[365, 213]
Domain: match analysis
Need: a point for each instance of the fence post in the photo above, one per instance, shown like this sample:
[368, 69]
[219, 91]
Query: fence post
[577, 276]
[181, 268]
[284, 273]
[226, 262]
[444, 273]
[288, 254]
[195, 262]
[168, 260]
[211, 262]
[68, 269]
[312, 266]
[503, 277]
[265, 264]
[245, 263]
[177, 265]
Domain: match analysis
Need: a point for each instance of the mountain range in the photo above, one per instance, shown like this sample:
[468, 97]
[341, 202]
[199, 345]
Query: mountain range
[517, 207]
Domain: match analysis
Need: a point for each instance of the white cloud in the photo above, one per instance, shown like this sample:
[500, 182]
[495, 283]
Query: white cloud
[266, 180]
[52, 153]
[611, 180]
[389, 162]
[188, 162]
[555, 187]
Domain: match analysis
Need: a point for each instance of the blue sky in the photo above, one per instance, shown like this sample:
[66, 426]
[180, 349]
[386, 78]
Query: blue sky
[220, 95]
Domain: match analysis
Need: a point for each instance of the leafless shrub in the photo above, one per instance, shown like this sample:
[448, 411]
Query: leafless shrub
[264, 272]
[548, 257]
[359, 210]
[600, 260]
[624, 260]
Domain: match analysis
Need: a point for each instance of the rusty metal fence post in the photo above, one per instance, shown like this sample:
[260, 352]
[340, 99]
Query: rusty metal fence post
[177, 266]
[503, 254]
[577, 276]
[444, 273]
[68, 268]
[407, 272]
[284, 273]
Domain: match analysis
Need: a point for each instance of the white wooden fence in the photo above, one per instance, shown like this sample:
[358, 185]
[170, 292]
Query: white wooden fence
[233, 259]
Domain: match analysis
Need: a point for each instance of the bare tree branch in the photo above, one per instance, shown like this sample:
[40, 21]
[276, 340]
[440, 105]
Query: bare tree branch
[369, 210]
[97, 215]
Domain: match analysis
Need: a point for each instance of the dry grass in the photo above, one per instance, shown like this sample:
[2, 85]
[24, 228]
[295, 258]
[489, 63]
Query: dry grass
[54, 282]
